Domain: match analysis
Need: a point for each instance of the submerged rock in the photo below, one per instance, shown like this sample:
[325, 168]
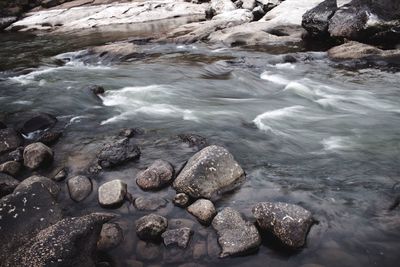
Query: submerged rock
[288, 222]
[117, 152]
[150, 203]
[9, 140]
[39, 122]
[194, 140]
[11, 167]
[47, 183]
[203, 210]
[79, 187]
[177, 237]
[150, 227]
[181, 200]
[112, 194]
[37, 155]
[156, 176]
[235, 235]
[208, 173]
[110, 237]
[7, 184]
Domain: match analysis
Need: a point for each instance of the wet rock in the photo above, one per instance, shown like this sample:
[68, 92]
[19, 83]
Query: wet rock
[213, 248]
[288, 222]
[156, 176]
[130, 132]
[112, 194]
[61, 175]
[316, 20]
[180, 223]
[9, 140]
[235, 235]
[117, 152]
[37, 155]
[39, 122]
[147, 251]
[50, 185]
[134, 263]
[7, 21]
[10, 167]
[49, 137]
[7, 184]
[194, 140]
[208, 173]
[181, 200]
[150, 227]
[177, 237]
[258, 12]
[111, 236]
[199, 250]
[79, 187]
[150, 203]
[97, 89]
[203, 210]
[17, 154]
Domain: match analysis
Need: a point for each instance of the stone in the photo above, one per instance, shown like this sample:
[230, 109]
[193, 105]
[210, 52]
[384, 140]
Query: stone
[9, 140]
[267, 5]
[117, 152]
[181, 200]
[316, 20]
[47, 183]
[129, 132]
[199, 250]
[7, 184]
[221, 6]
[150, 227]
[177, 237]
[150, 203]
[180, 223]
[10, 167]
[112, 194]
[79, 187]
[209, 173]
[235, 235]
[61, 175]
[39, 122]
[249, 4]
[194, 140]
[49, 137]
[17, 154]
[97, 89]
[111, 236]
[147, 251]
[258, 12]
[288, 222]
[156, 176]
[37, 155]
[203, 210]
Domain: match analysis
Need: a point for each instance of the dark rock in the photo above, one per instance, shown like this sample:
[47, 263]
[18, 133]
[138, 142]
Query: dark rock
[203, 210]
[97, 90]
[194, 140]
[111, 236]
[79, 187]
[112, 194]
[7, 184]
[181, 200]
[61, 175]
[40, 122]
[37, 155]
[235, 235]
[118, 152]
[209, 173]
[150, 203]
[17, 154]
[7, 21]
[156, 176]
[2, 126]
[49, 138]
[130, 132]
[150, 227]
[289, 223]
[258, 12]
[316, 20]
[50, 185]
[177, 237]
[210, 13]
[9, 140]
[11, 167]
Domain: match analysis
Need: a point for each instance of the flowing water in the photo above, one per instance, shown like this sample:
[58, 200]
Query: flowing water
[308, 132]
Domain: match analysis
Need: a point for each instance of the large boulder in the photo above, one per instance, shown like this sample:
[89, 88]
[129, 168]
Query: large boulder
[9, 140]
[288, 222]
[117, 152]
[112, 194]
[37, 155]
[150, 227]
[7, 184]
[316, 20]
[49, 184]
[11, 167]
[209, 173]
[38, 122]
[235, 235]
[156, 176]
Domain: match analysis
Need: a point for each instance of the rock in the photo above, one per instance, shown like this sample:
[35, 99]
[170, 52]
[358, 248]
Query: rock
[17, 154]
[180, 223]
[9, 140]
[258, 12]
[316, 20]
[147, 251]
[221, 6]
[118, 152]
[50, 185]
[97, 89]
[49, 138]
[71, 241]
[267, 5]
[111, 236]
[39, 122]
[61, 175]
[289, 223]
[7, 184]
[208, 173]
[130, 132]
[37, 155]
[112, 194]
[203, 210]
[235, 235]
[150, 227]
[10, 167]
[249, 4]
[7, 21]
[199, 250]
[194, 140]
[159, 174]
[181, 200]
[150, 203]
[2, 126]
[79, 187]
[177, 237]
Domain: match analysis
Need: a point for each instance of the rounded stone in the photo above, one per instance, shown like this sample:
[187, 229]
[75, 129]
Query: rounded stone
[112, 193]
[181, 200]
[156, 176]
[10, 167]
[150, 203]
[111, 236]
[203, 210]
[177, 237]
[79, 187]
[37, 155]
[50, 185]
[150, 227]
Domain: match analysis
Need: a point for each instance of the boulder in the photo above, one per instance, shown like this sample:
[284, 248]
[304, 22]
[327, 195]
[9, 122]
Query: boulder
[235, 235]
[39, 122]
[117, 152]
[9, 140]
[150, 227]
[288, 222]
[49, 137]
[7, 184]
[50, 185]
[203, 210]
[194, 140]
[37, 155]
[181, 200]
[221, 6]
[111, 236]
[316, 20]
[96, 89]
[209, 173]
[156, 176]
[150, 203]
[112, 194]
[11, 167]
[79, 187]
[177, 237]
[17, 154]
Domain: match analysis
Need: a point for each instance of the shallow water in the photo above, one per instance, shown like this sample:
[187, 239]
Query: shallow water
[307, 132]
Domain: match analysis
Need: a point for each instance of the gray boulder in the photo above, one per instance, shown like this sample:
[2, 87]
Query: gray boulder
[156, 176]
[7, 184]
[9, 140]
[209, 173]
[150, 203]
[177, 237]
[117, 152]
[37, 155]
[111, 236]
[203, 210]
[150, 227]
[288, 222]
[316, 20]
[79, 187]
[112, 194]
[50, 185]
[11, 167]
[235, 235]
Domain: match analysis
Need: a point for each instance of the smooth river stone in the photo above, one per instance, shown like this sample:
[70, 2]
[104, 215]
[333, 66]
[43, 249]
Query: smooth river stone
[112, 194]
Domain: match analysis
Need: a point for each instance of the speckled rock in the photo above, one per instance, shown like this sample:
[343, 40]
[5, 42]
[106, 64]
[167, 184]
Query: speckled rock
[150, 227]
[9, 140]
[112, 194]
[208, 173]
[61, 175]
[203, 210]
[10, 167]
[235, 235]
[150, 203]
[118, 152]
[181, 200]
[79, 187]
[50, 185]
[177, 237]
[111, 236]
[37, 155]
[288, 222]
[7, 184]
[156, 176]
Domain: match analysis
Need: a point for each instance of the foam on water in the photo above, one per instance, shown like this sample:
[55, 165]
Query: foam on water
[285, 66]
[34, 76]
[336, 143]
[274, 78]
